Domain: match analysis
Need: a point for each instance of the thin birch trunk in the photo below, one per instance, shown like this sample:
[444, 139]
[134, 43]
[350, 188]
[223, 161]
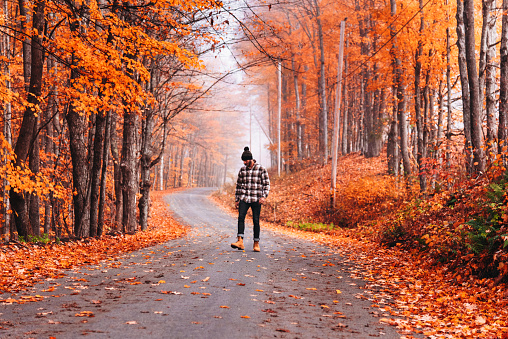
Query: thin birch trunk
[490, 79]
[7, 130]
[448, 99]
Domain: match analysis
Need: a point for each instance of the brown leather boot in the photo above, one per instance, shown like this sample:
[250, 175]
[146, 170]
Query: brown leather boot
[256, 246]
[238, 244]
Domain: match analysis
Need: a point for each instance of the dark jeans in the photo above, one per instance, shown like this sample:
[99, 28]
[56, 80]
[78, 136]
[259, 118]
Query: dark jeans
[243, 207]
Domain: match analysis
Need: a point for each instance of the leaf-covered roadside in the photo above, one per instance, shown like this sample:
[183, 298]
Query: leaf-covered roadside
[422, 253]
[25, 264]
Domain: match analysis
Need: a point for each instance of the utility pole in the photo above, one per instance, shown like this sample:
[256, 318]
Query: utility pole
[336, 126]
[279, 109]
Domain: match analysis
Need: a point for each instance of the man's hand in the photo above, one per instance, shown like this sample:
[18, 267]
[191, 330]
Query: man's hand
[262, 200]
[237, 203]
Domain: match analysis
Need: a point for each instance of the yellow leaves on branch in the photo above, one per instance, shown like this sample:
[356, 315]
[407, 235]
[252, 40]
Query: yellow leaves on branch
[120, 51]
[21, 179]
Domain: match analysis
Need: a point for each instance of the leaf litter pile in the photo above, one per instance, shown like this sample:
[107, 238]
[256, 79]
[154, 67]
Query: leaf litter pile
[407, 286]
[23, 265]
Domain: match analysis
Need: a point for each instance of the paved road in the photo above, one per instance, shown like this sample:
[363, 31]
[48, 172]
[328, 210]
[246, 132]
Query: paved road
[199, 287]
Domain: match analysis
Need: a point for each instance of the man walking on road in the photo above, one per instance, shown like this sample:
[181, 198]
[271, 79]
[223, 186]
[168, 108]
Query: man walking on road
[252, 187]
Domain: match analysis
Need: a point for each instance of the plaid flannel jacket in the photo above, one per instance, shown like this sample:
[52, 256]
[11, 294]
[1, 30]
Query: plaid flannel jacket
[252, 184]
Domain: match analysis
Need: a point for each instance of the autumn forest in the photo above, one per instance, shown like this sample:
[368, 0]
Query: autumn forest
[384, 121]
[100, 98]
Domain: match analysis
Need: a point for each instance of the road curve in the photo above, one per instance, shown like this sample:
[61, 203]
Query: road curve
[199, 287]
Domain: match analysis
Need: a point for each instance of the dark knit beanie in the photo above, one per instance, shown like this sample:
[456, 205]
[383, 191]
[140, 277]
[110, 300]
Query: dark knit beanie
[246, 155]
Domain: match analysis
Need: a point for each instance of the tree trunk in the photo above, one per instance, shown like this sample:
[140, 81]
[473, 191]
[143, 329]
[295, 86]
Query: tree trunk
[80, 142]
[299, 149]
[418, 109]
[78, 128]
[98, 153]
[393, 136]
[33, 199]
[29, 124]
[80, 174]
[474, 89]
[345, 105]
[192, 166]
[7, 127]
[483, 50]
[502, 134]
[161, 173]
[490, 78]
[27, 56]
[428, 108]
[323, 116]
[305, 140]
[461, 45]
[129, 170]
[440, 119]
[365, 92]
[146, 159]
[180, 175]
[117, 172]
[403, 129]
[104, 171]
[448, 99]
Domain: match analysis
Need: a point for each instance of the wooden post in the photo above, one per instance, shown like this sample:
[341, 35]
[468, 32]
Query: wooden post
[336, 126]
[279, 109]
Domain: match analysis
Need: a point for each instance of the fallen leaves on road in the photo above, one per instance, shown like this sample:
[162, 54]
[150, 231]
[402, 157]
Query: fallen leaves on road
[431, 300]
[85, 314]
[25, 264]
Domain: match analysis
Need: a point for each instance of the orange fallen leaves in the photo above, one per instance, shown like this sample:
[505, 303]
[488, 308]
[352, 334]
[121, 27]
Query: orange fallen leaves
[430, 299]
[23, 265]
[85, 314]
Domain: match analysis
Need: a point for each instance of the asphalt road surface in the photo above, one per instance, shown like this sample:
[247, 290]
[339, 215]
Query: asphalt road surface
[199, 287]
